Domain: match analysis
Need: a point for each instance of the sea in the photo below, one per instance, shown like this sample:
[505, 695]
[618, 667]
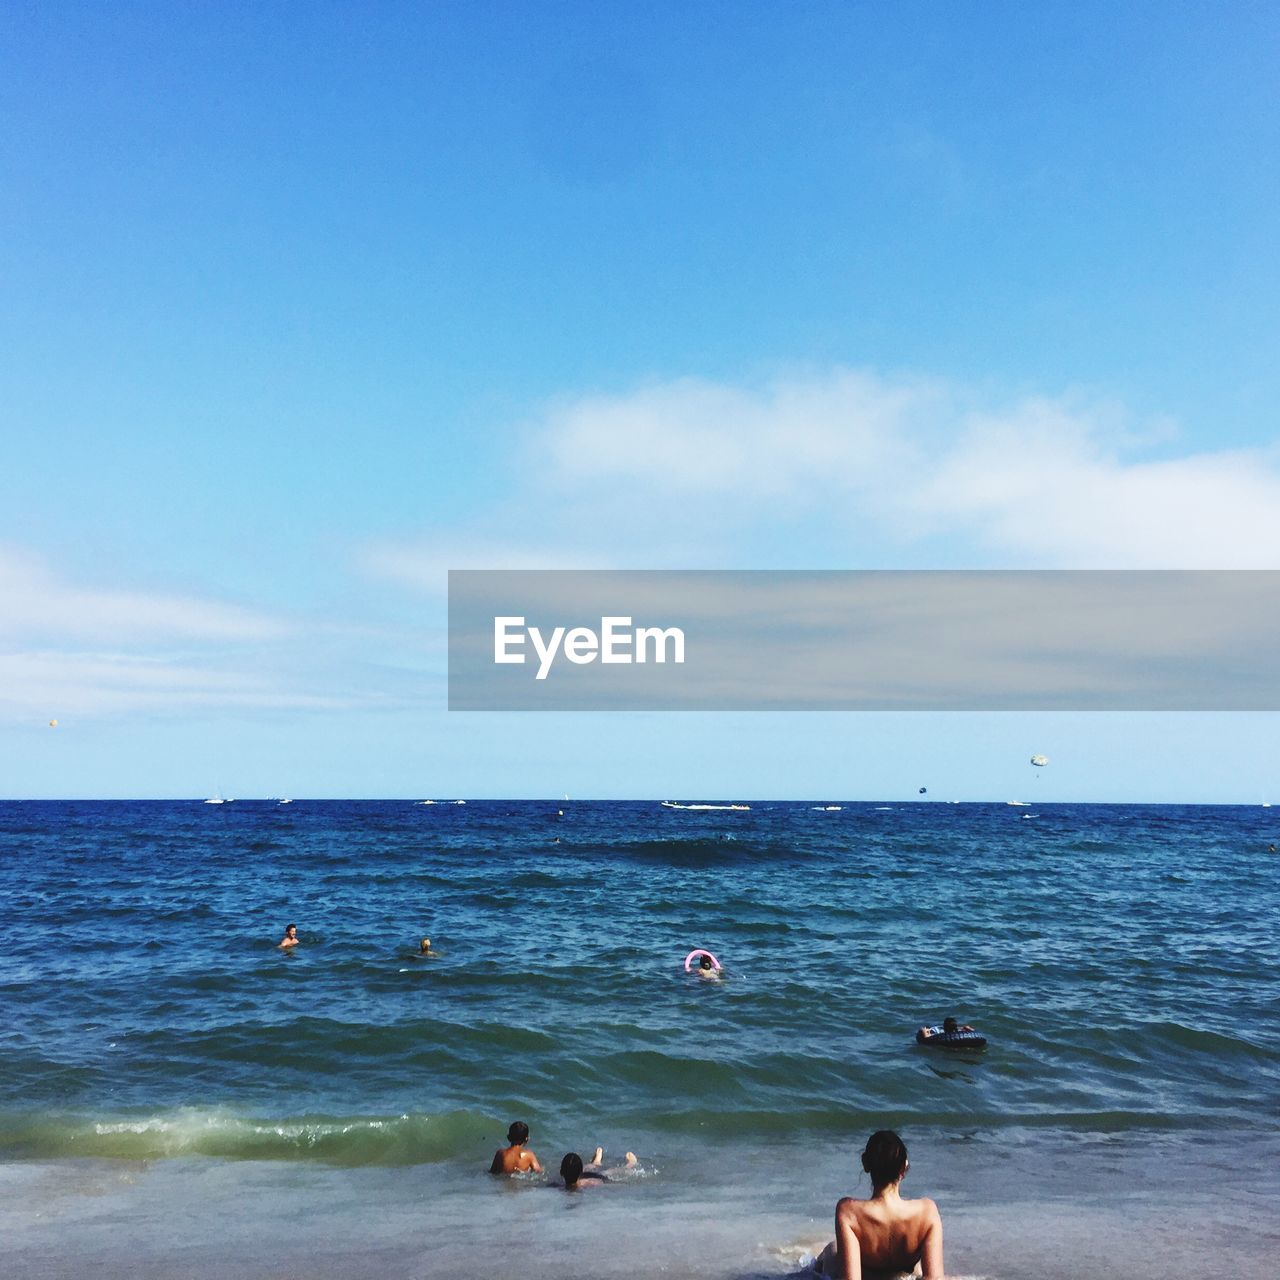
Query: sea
[181, 1098]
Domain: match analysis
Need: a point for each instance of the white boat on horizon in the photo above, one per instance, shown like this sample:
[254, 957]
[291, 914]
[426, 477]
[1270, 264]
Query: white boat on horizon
[739, 808]
[1019, 804]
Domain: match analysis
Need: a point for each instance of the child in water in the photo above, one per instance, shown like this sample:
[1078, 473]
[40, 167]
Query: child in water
[516, 1158]
[576, 1174]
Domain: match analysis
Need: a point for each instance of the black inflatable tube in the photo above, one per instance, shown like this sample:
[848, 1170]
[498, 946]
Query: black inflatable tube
[952, 1040]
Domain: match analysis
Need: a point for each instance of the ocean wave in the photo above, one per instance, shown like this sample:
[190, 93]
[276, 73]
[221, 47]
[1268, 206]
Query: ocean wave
[855, 1122]
[408, 1139]
[703, 851]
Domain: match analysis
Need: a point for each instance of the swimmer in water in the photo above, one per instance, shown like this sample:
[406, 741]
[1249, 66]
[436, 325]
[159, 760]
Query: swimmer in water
[424, 948]
[707, 969]
[576, 1174]
[516, 1158]
[948, 1026]
[886, 1232]
[290, 938]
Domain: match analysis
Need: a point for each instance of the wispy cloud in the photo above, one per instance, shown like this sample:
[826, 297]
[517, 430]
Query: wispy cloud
[72, 650]
[36, 602]
[423, 564]
[849, 468]
[36, 684]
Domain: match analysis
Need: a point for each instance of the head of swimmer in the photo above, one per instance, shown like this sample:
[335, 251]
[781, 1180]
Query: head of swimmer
[571, 1169]
[518, 1134]
[291, 932]
[949, 1025]
[426, 946]
[885, 1158]
[705, 963]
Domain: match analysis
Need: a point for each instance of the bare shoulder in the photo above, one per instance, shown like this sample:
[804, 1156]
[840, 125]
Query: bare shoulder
[928, 1209]
[849, 1212]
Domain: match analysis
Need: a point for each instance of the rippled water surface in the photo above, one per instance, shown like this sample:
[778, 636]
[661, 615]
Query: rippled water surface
[1122, 961]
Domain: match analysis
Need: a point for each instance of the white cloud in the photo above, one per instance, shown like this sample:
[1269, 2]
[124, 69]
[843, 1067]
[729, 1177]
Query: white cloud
[36, 602]
[42, 684]
[856, 460]
[72, 650]
[778, 442]
[423, 565]
[852, 469]
[1045, 485]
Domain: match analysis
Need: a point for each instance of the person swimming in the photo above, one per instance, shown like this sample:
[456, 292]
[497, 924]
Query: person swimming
[886, 1232]
[290, 938]
[516, 1158]
[424, 948]
[707, 969]
[576, 1174]
[949, 1027]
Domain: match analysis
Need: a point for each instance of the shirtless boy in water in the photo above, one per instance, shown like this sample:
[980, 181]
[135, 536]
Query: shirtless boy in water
[516, 1158]
[885, 1233]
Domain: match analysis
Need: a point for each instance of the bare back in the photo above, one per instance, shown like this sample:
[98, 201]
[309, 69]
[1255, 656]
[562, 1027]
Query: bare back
[885, 1233]
[514, 1159]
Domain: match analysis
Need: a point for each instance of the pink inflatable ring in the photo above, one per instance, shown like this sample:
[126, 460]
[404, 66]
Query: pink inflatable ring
[693, 955]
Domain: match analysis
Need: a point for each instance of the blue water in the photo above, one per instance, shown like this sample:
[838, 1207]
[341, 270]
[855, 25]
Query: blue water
[1122, 961]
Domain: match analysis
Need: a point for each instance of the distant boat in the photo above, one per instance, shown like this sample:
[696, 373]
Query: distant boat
[827, 808]
[216, 798]
[285, 800]
[424, 802]
[739, 808]
[1019, 804]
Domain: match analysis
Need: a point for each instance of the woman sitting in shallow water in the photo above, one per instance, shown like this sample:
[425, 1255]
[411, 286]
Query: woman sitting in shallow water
[885, 1233]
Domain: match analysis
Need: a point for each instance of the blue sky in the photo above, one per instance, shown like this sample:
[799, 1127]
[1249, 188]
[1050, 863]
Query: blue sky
[304, 304]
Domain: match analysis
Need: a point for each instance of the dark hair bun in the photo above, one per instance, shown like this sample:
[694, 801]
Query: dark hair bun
[885, 1157]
